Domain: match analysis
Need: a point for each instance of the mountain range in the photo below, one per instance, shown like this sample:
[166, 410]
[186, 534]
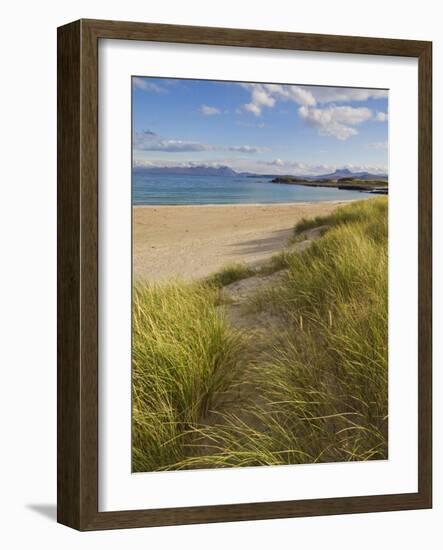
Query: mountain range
[202, 170]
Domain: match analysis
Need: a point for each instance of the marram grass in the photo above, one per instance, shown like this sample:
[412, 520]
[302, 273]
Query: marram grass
[229, 274]
[183, 357]
[319, 391]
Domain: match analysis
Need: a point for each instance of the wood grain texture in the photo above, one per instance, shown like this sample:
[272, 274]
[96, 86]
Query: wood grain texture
[68, 276]
[254, 38]
[78, 271]
[425, 273]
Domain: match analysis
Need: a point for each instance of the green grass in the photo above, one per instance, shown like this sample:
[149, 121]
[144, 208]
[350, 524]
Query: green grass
[329, 378]
[229, 274]
[184, 355]
[276, 263]
[358, 212]
[319, 391]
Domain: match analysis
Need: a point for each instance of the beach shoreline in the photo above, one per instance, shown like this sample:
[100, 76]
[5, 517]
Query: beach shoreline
[239, 204]
[174, 242]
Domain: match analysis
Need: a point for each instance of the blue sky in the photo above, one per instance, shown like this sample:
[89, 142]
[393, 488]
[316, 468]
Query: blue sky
[265, 128]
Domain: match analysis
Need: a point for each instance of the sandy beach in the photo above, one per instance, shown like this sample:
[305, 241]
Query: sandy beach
[191, 242]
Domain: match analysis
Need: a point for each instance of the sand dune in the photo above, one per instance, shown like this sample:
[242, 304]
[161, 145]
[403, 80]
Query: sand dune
[191, 242]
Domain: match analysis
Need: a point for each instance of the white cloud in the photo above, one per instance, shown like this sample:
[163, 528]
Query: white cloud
[335, 121]
[144, 84]
[253, 108]
[292, 167]
[266, 95]
[276, 162]
[143, 163]
[243, 149]
[150, 141]
[328, 94]
[169, 145]
[297, 94]
[381, 116]
[260, 98]
[207, 110]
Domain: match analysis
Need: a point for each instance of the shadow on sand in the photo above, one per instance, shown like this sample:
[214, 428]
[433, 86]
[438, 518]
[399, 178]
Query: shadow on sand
[277, 241]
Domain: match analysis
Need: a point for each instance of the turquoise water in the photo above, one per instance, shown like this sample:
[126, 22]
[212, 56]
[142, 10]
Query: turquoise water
[163, 189]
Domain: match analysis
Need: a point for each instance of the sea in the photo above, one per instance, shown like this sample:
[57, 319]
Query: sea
[187, 190]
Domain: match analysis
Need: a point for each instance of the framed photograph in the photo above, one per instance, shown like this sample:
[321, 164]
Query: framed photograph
[244, 275]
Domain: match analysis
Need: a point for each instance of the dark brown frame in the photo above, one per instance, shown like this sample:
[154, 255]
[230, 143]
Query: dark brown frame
[77, 455]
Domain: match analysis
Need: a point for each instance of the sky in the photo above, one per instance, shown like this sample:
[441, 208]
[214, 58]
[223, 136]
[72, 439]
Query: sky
[261, 128]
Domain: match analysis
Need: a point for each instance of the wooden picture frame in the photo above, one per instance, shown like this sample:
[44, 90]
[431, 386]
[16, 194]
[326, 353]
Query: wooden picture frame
[78, 274]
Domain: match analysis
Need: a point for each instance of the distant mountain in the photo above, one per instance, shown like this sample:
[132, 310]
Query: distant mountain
[346, 173]
[337, 175]
[203, 170]
[187, 170]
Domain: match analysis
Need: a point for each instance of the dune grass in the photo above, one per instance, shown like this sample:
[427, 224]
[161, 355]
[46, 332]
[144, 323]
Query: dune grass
[229, 274]
[183, 358]
[329, 379]
[359, 211]
[319, 391]
[277, 262]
